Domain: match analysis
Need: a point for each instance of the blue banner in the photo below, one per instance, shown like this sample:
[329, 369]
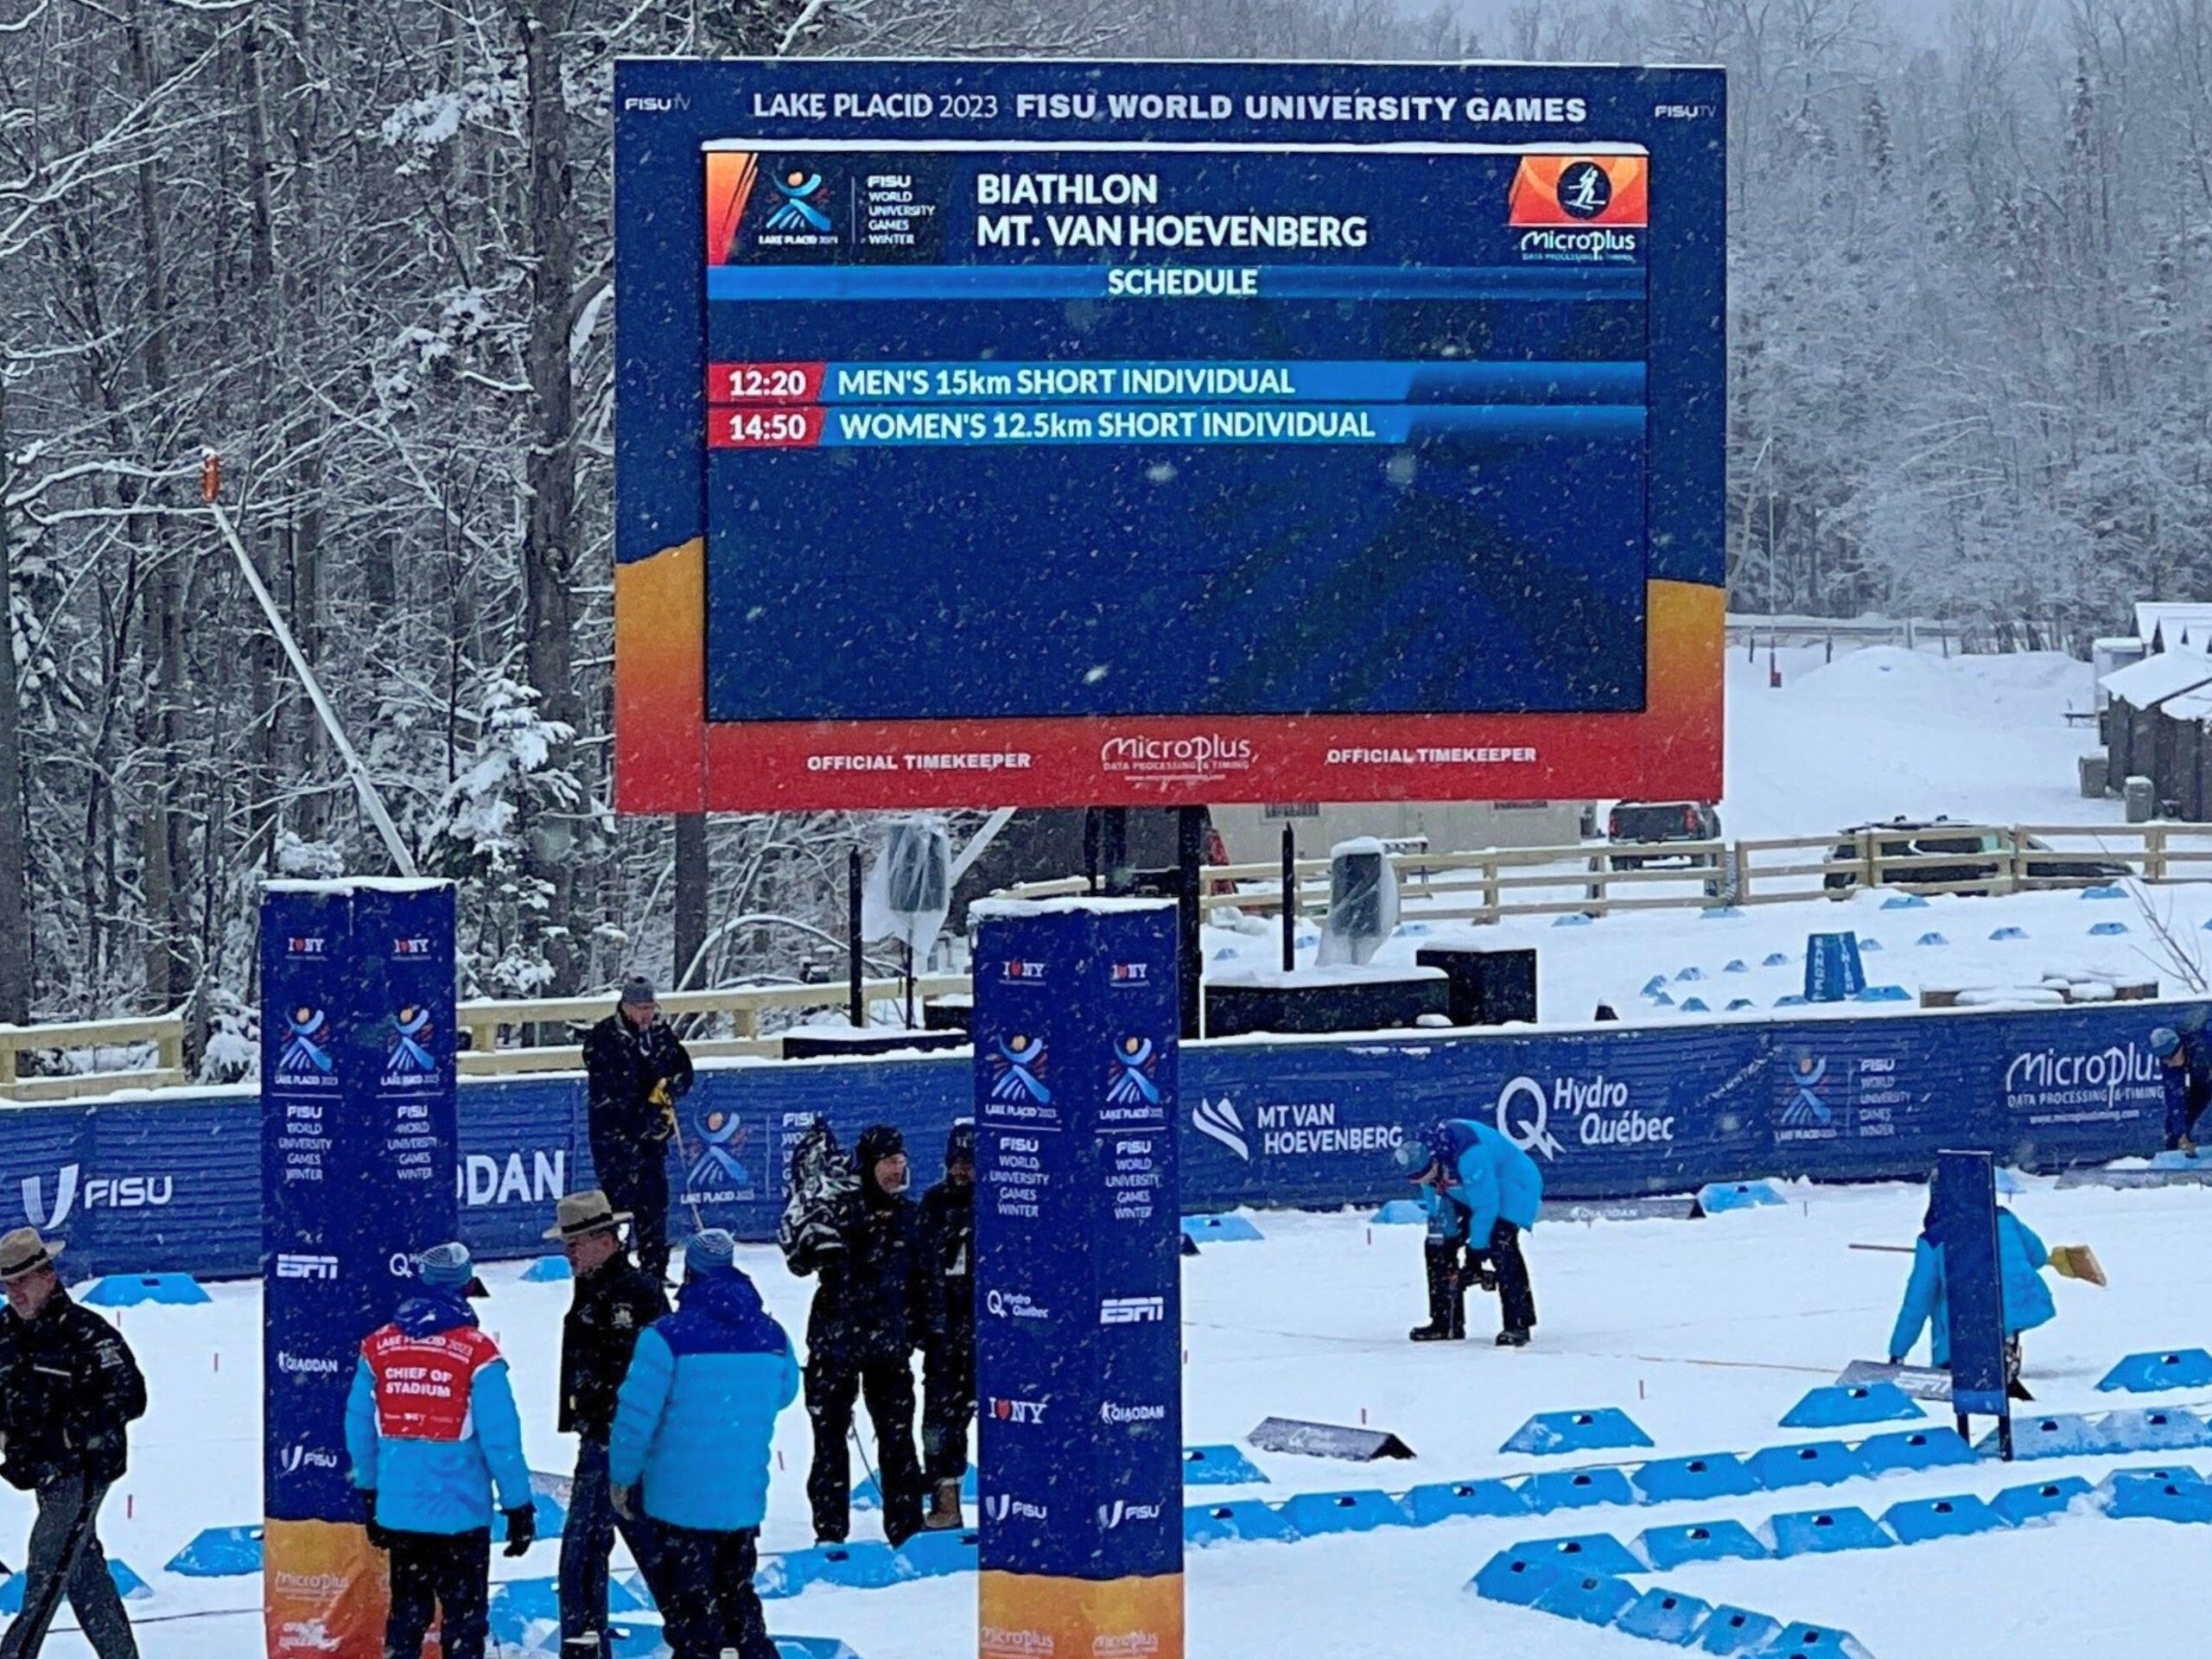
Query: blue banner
[1963, 1226]
[169, 1182]
[357, 1171]
[1078, 1280]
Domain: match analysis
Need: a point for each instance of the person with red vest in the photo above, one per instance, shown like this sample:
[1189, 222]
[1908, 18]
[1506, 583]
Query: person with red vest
[432, 1429]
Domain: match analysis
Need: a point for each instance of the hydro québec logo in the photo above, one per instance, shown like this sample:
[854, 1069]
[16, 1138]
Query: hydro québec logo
[98, 1192]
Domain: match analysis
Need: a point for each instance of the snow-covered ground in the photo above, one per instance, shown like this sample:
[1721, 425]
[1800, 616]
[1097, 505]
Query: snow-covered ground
[1883, 732]
[1705, 1332]
[1876, 734]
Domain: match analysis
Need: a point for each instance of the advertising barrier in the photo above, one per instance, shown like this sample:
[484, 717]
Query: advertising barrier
[168, 1182]
[1078, 1281]
[356, 1151]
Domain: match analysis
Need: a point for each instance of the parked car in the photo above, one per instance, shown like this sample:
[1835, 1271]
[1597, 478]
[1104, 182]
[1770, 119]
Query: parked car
[1649, 821]
[1982, 854]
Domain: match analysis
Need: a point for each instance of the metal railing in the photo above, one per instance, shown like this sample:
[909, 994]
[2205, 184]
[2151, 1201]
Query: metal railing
[1590, 878]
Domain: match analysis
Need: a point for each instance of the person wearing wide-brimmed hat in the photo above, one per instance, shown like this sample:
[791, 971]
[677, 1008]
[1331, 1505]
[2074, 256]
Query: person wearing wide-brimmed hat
[636, 1070]
[68, 1386]
[613, 1300]
[432, 1430]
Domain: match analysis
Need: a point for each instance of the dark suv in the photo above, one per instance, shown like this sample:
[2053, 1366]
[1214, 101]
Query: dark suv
[1982, 854]
[1650, 821]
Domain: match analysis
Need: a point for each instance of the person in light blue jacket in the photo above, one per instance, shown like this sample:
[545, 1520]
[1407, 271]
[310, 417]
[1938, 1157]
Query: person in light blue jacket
[694, 1424]
[1501, 1190]
[432, 1429]
[2026, 1300]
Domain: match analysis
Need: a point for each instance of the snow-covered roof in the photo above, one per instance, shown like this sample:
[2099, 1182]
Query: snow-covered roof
[2190, 705]
[2150, 681]
[2153, 616]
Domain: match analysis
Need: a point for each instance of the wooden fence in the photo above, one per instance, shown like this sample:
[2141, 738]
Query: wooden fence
[1592, 879]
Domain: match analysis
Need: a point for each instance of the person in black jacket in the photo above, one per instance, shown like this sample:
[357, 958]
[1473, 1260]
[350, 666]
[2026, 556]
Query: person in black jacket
[614, 1300]
[866, 1321]
[949, 1351]
[69, 1387]
[638, 1070]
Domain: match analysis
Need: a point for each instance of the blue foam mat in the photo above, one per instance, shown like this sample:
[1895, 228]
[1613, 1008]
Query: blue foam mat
[1549, 1433]
[1577, 1488]
[1220, 1466]
[1668, 1547]
[1814, 1641]
[1666, 1480]
[2039, 1499]
[1663, 1615]
[1245, 1519]
[1587, 1553]
[1440, 1500]
[219, 1553]
[131, 1289]
[1400, 1212]
[1822, 1532]
[547, 1270]
[128, 1585]
[1913, 1448]
[1515, 1580]
[2176, 1367]
[1221, 1230]
[1591, 1598]
[1917, 1520]
[1315, 1513]
[1737, 1630]
[1720, 1197]
[1841, 1406]
[1816, 1463]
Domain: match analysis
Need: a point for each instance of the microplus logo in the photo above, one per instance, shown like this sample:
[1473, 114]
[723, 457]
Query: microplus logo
[122, 1192]
[307, 1267]
[1176, 760]
[1132, 1310]
[2080, 1078]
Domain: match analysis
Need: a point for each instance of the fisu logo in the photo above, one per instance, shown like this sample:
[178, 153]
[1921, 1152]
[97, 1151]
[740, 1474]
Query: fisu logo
[122, 1192]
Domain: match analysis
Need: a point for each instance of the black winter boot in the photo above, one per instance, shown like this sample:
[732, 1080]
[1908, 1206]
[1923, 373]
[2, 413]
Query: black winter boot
[1447, 1320]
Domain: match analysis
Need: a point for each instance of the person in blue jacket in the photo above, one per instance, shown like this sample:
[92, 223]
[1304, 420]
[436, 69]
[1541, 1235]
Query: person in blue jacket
[432, 1430]
[1500, 1189]
[2026, 1300]
[2185, 1067]
[693, 1427]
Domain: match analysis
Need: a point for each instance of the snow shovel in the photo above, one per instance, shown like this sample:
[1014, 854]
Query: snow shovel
[2078, 1262]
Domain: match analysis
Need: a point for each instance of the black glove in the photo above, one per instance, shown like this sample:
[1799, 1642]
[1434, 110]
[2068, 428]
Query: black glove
[378, 1537]
[521, 1528]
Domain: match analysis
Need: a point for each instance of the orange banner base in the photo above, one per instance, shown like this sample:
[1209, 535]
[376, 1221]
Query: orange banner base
[1030, 1616]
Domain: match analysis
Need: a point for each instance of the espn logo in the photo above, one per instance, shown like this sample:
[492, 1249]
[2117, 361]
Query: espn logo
[1132, 1310]
[307, 1267]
